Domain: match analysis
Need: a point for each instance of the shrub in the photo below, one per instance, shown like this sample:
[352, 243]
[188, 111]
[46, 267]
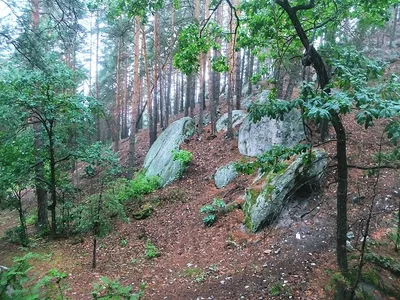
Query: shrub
[184, 157]
[17, 235]
[217, 206]
[126, 190]
[151, 251]
[112, 289]
[32, 218]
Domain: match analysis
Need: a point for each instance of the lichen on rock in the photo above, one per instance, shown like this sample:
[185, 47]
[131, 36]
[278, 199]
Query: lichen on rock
[263, 206]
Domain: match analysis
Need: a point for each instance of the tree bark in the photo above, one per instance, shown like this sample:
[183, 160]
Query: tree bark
[162, 103]
[250, 73]
[394, 27]
[211, 83]
[238, 80]
[189, 79]
[182, 94]
[312, 57]
[148, 90]
[53, 182]
[135, 99]
[177, 93]
[98, 127]
[124, 119]
[153, 133]
[117, 108]
[41, 192]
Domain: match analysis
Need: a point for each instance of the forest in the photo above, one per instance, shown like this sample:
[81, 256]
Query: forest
[215, 149]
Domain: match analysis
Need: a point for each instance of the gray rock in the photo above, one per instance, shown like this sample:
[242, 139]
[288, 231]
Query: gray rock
[9, 291]
[349, 247]
[224, 175]
[159, 160]
[263, 205]
[350, 235]
[256, 138]
[237, 118]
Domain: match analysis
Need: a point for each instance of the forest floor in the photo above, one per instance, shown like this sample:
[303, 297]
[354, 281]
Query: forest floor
[291, 260]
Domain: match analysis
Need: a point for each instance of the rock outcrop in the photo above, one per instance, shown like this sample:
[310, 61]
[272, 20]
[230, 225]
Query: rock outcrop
[224, 175]
[264, 204]
[159, 160]
[237, 118]
[256, 138]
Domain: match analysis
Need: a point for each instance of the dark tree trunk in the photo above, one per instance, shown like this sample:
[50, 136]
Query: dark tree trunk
[53, 182]
[238, 81]
[23, 235]
[117, 107]
[41, 192]
[394, 27]
[192, 94]
[135, 100]
[313, 58]
[177, 93]
[162, 104]
[168, 97]
[250, 74]
[182, 94]
[189, 79]
[94, 252]
[278, 77]
[211, 97]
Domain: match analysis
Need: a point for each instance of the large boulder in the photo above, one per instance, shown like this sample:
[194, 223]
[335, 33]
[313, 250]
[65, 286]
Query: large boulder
[224, 175]
[237, 118]
[159, 160]
[256, 138]
[264, 204]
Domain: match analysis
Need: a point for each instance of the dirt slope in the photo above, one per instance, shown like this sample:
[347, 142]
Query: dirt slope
[224, 261]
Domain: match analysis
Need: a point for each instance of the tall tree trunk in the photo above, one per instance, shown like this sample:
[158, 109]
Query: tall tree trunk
[98, 127]
[211, 83]
[153, 134]
[135, 99]
[314, 58]
[177, 93]
[217, 55]
[278, 78]
[168, 96]
[231, 73]
[182, 95]
[237, 61]
[90, 52]
[140, 104]
[124, 119]
[53, 181]
[162, 103]
[117, 108]
[148, 90]
[41, 192]
[250, 73]
[189, 79]
[238, 80]
[394, 27]
[202, 82]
